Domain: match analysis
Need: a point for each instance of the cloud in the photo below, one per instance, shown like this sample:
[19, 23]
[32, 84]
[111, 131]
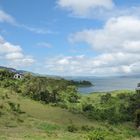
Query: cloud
[7, 18]
[36, 30]
[118, 34]
[117, 44]
[104, 64]
[98, 9]
[4, 17]
[84, 7]
[62, 65]
[44, 45]
[13, 55]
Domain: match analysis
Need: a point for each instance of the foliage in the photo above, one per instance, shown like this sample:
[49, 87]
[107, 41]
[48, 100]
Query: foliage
[80, 83]
[116, 112]
[114, 109]
[49, 90]
[105, 98]
[96, 135]
[87, 128]
[87, 107]
[5, 74]
[42, 121]
[44, 89]
[137, 118]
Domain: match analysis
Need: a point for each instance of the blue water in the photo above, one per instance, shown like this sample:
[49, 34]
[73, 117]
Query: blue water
[108, 84]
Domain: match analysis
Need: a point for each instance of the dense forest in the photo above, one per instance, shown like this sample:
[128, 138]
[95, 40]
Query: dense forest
[111, 109]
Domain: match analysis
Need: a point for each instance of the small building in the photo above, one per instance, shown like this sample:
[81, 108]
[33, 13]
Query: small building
[18, 76]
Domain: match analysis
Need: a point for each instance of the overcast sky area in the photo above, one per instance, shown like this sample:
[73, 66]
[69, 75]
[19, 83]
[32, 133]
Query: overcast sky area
[71, 37]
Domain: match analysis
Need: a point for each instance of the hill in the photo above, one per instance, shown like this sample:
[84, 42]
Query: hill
[34, 120]
[31, 120]
[14, 70]
[40, 108]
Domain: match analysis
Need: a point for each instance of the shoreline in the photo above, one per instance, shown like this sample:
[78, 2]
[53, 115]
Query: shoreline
[104, 92]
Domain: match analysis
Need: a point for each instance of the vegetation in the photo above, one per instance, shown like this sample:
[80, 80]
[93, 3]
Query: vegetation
[80, 83]
[114, 109]
[39, 108]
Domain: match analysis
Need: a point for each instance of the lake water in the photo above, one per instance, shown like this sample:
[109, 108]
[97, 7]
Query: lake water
[108, 84]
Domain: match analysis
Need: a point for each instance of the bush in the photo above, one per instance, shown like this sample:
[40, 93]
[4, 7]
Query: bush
[96, 135]
[87, 128]
[72, 95]
[105, 98]
[87, 107]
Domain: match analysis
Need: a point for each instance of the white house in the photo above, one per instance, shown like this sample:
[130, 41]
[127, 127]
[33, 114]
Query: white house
[18, 76]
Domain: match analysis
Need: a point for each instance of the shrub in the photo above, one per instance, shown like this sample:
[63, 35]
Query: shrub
[122, 96]
[105, 98]
[87, 107]
[96, 135]
[87, 128]
[72, 95]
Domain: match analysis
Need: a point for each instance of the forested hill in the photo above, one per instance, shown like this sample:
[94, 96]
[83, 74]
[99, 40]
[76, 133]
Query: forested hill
[71, 82]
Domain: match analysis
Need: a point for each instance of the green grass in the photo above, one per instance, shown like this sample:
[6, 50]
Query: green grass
[38, 121]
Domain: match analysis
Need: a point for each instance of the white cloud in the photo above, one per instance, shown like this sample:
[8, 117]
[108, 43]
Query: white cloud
[85, 7]
[36, 30]
[117, 44]
[65, 65]
[4, 17]
[20, 63]
[97, 9]
[7, 18]
[104, 64]
[13, 54]
[118, 34]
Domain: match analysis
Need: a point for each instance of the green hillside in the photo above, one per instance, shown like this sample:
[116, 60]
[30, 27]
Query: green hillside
[38, 108]
[36, 121]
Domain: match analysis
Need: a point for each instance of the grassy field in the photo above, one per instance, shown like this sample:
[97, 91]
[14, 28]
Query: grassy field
[24, 119]
[38, 122]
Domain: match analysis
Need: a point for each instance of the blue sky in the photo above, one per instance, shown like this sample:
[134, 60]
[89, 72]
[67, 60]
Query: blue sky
[68, 37]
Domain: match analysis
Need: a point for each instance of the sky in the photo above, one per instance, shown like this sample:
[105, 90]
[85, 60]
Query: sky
[71, 37]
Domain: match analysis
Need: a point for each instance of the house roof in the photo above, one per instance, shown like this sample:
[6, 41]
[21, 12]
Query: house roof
[18, 74]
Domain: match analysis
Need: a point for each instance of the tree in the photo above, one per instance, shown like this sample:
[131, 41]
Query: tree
[105, 98]
[72, 95]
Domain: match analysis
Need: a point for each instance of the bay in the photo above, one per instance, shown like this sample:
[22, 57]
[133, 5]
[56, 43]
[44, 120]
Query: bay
[106, 84]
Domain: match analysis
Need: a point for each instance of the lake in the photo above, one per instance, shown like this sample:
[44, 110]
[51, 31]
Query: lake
[108, 84]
